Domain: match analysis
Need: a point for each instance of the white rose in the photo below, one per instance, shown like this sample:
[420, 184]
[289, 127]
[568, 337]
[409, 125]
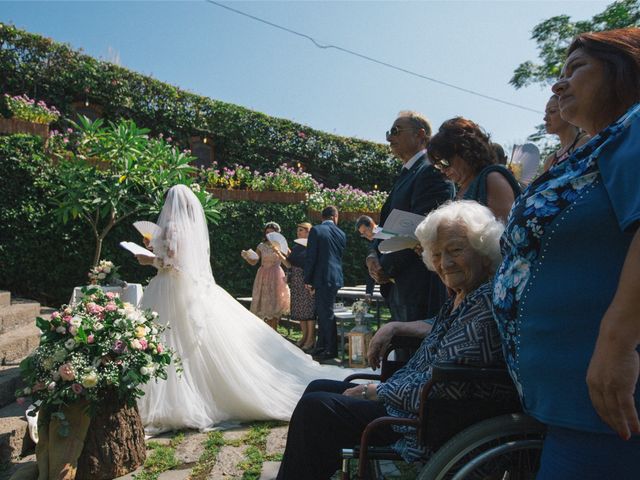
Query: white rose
[106, 269]
[70, 344]
[98, 326]
[102, 276]
[76, 321]
[26, 391]
[51, 386]
[56, 376]
[61, 329]
[90, 380]
[136, 345]
[144, 371]
[60, 354]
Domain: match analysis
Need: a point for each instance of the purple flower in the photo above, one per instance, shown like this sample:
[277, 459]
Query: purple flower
[119, 346]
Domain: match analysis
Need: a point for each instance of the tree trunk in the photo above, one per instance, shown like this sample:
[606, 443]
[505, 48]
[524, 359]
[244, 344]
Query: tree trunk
[115, 442]
[98, 252]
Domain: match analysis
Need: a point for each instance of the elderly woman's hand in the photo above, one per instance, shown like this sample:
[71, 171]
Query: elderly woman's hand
[611, 378]
[379, 344]
[366, 391]
[144, 260]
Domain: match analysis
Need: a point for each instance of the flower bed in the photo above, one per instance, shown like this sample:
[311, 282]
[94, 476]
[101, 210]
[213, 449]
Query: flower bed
[257, 196]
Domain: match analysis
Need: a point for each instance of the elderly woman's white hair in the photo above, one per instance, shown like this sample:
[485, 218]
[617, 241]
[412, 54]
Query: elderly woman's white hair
[483, 229]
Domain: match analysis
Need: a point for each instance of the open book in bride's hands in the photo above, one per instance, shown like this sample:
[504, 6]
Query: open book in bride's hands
[147, 229]
[137, 249]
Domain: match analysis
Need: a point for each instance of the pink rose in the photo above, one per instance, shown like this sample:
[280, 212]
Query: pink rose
[37, 386]
[67, 318]
[22, 401]
[77, 388]
[66, 372]
[143, 343]
[110, 295]
[160, 348]
[90, 338]
[55, 315]
[111, 307]
[94, 309]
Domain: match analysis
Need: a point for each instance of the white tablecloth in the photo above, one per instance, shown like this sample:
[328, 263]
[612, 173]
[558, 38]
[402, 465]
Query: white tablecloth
[132, 293]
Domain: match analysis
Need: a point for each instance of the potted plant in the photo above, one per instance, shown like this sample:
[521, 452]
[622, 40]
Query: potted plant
[28, 116]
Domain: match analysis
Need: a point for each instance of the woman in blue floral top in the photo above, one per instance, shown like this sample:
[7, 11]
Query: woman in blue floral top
[567, 295]
[461, 243]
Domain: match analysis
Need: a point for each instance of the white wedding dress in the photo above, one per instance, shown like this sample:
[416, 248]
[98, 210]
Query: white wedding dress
[235, 367]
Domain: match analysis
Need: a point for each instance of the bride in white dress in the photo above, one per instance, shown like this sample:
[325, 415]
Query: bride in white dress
[235, 367]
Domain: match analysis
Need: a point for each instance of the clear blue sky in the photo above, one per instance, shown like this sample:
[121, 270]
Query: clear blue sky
[211, 51]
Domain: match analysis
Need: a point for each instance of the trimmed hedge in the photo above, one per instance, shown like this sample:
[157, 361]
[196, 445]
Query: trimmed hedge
[42, 259]
[53, 72]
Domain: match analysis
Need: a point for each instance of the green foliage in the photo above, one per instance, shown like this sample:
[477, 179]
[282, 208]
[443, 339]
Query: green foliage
[554, 35]
[61, 76]
[116, 172]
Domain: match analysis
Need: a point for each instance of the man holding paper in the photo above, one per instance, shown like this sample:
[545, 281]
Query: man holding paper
[412, 291]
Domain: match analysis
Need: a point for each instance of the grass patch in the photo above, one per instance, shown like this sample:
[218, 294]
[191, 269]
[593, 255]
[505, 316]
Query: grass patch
[256, 452]
[161, 458]
[215, 441]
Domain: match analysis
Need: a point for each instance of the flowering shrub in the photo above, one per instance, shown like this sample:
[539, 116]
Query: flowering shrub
[348, 199]
[105, 273]
[283, 179]
[88, 349]
[26, 108]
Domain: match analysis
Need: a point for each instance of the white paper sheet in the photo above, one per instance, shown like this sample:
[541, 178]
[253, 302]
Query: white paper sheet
[137, 249]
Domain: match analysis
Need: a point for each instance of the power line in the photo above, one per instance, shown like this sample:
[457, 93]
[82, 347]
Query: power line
[373, 60]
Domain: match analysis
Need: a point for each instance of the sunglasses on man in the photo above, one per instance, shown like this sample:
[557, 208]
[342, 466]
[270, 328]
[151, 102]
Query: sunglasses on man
[395, 130]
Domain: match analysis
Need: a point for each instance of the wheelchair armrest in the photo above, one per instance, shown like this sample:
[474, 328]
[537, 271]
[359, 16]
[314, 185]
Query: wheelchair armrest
[399, 341]
[450, 372]
[362, 376]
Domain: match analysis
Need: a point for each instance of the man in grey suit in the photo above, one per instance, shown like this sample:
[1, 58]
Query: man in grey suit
[323, 275]
[412, 291]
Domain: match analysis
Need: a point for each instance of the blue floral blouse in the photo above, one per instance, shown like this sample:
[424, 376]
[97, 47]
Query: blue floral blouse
[563, 249]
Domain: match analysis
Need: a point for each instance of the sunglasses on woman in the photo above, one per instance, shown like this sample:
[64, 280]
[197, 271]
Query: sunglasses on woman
[442, 164]
[395, 130]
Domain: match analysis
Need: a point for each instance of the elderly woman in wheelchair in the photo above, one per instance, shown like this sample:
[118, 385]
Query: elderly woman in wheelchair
[460, 242]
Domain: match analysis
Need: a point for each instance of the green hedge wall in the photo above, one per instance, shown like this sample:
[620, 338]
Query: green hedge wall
[43, 259]
[50, 71]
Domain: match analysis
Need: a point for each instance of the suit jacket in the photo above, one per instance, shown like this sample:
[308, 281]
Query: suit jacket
[419, 190]
[323, 262]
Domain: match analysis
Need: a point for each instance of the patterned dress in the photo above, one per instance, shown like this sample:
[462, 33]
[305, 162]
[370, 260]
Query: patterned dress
[270, 296]
[303, 306]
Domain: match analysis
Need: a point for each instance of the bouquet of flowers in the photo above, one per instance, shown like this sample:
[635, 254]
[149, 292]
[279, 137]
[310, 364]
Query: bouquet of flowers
[105, 273]
[26, 108]
[97, 346]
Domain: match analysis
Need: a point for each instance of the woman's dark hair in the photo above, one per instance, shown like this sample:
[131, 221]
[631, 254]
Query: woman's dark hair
[273, 226]
[462, 137]
[619, 51]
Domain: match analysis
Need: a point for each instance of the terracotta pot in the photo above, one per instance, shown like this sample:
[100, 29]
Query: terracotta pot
[14, 125]
[254, 196]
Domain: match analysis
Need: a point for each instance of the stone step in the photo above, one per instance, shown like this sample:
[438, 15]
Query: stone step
[5, 298]
[10, 381]
[14, 436]
[17, 344]
[18, 314]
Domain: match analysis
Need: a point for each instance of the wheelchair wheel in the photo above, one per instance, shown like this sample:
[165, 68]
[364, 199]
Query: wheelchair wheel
[501, 448]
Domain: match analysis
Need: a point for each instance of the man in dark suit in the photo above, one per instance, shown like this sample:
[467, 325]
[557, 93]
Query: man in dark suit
[366, 226]
[323, 274]
[412, 291]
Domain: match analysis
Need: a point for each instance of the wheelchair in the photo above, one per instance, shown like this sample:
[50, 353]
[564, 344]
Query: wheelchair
[469, 438]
